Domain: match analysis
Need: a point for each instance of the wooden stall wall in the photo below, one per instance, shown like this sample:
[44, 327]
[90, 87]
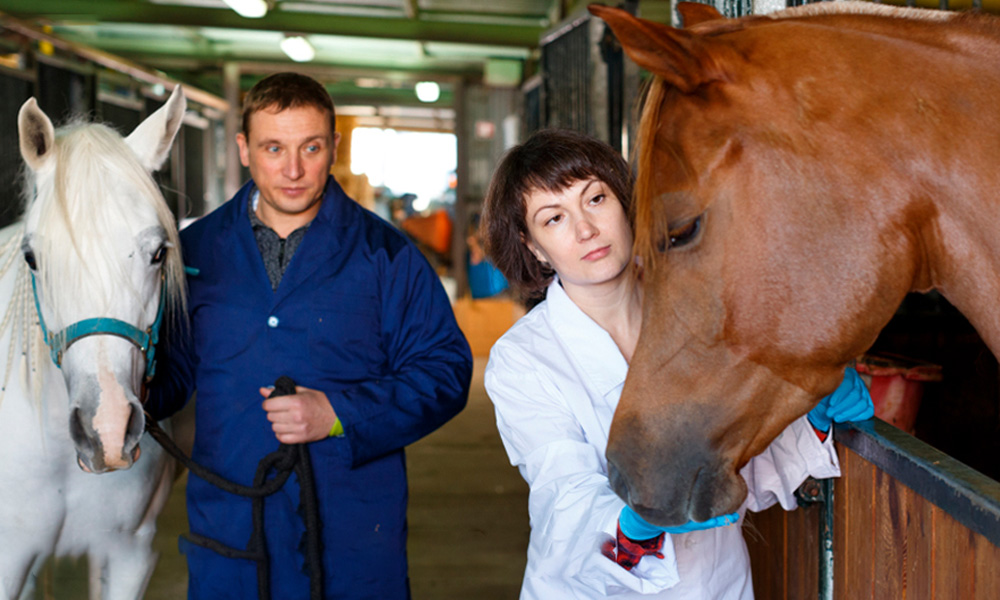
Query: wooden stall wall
[784, 552]
[889, 543]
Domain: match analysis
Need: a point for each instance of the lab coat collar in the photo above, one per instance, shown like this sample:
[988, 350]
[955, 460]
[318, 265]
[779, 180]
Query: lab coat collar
[586, 341]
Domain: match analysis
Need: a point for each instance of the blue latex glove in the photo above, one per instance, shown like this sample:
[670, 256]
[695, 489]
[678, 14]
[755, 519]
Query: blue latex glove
[849, 402]
[636, 528]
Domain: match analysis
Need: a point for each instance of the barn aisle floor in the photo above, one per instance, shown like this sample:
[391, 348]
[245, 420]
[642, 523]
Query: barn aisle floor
[468, 518]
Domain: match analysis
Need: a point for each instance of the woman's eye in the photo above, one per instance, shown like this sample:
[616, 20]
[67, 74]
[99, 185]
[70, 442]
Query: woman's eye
[159, 255]
[554, 220]
[597, 199]
[684, 234]
[29, 257]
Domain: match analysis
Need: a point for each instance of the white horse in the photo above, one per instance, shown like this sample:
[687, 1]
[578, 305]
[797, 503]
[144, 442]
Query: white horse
[83, 273]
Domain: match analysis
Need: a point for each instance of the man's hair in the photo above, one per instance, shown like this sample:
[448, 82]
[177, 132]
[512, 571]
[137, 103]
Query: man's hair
[550, 160]
[287, 90]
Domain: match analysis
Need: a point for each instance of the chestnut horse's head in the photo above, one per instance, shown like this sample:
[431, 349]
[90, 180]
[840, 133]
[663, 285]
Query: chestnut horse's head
[790, 173]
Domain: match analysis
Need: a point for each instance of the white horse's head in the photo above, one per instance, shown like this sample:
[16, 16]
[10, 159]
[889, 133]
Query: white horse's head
[101, 244]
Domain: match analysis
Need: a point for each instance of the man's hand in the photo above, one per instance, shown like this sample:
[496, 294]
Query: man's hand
[305, 416]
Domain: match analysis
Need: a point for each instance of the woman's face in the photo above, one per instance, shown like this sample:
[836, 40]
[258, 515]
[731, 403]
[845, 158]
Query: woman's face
[582, 231]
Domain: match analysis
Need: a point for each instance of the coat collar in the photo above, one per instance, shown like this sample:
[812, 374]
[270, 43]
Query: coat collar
[321, 240]
[587, 342]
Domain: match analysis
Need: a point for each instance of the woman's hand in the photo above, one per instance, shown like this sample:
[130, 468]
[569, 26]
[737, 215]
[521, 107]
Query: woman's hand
[849, 402]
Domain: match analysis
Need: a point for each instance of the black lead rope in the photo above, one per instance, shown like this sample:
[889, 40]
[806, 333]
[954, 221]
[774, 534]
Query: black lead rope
[283, 461]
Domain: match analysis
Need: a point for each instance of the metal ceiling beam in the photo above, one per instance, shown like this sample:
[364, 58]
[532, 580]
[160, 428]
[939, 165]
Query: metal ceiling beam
[199, 61]
[131, 11]
[110, 61]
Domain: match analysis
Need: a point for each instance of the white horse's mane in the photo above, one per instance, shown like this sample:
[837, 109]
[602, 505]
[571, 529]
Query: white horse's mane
[79, 200]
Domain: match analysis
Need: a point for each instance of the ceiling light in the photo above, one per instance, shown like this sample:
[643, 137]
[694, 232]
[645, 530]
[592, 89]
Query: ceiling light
[428, 91]
[251, 9]
[298, 48]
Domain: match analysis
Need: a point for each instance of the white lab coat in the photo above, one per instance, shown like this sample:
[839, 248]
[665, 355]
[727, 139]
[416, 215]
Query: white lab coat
[555, 379]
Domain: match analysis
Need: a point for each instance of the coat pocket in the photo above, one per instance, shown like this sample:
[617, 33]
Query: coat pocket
[345, 336]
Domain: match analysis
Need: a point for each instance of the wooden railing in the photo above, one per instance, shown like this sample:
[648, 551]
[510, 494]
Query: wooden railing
[908, 521]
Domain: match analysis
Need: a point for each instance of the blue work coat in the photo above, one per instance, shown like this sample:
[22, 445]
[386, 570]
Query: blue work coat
[359, 315]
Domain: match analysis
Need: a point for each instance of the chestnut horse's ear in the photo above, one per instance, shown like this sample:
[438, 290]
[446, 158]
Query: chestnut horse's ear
[678, 56]
[693, 13]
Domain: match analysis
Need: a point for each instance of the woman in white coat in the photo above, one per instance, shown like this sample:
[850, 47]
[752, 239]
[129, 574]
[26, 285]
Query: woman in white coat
[556, 224]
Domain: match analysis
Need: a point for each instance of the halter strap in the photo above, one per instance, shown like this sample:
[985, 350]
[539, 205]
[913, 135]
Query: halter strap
[145, 340]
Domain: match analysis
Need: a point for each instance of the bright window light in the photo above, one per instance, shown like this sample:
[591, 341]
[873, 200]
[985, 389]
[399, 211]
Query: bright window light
[415, 162]
[298, 48]
[428, 91]
[251, 9]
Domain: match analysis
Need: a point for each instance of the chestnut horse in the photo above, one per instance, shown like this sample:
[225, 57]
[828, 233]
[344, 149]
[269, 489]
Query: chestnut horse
[799, 174]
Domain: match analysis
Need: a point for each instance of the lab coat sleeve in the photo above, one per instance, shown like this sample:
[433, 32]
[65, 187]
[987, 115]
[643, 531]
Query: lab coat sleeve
[428, 371]
[571, 505]
[797, 453]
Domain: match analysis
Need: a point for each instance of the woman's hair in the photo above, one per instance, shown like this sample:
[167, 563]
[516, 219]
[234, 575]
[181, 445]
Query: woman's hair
[550, 160]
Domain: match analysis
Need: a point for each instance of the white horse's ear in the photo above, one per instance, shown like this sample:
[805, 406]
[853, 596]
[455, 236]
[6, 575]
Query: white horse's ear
[36, 134]
[151, 139]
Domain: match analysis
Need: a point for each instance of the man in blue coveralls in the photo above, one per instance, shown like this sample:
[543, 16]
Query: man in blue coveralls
[291, 277]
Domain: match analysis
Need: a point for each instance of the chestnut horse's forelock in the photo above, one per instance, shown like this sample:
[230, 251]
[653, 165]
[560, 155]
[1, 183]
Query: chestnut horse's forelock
[642, 204]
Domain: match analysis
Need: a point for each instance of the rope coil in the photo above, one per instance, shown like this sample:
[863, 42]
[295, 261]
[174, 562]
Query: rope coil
[288, 458]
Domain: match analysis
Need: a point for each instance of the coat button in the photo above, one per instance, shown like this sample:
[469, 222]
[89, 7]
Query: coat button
[272, 321]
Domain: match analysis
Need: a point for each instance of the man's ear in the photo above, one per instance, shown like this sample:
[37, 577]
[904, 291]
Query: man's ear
[242, 144]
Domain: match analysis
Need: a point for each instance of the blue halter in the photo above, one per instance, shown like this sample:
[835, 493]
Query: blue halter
[144, 340]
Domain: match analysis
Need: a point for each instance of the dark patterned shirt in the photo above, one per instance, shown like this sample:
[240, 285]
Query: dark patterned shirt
[275, 251]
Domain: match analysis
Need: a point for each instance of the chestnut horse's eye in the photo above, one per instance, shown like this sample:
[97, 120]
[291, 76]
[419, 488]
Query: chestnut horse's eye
[684, 234]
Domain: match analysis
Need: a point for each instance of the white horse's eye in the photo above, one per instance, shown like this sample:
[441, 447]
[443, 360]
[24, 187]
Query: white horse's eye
[159, 255]
[29, 257]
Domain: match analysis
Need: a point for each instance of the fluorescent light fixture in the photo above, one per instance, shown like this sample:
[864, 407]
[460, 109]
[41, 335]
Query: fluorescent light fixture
[298, 48]
[251, 9]
[428, 91]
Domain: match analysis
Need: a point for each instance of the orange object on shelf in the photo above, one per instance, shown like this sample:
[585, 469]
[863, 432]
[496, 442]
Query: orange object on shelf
[896, 384]
[434, 230]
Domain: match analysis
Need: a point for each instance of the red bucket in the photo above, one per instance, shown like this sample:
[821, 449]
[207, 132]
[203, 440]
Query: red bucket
[896, 384]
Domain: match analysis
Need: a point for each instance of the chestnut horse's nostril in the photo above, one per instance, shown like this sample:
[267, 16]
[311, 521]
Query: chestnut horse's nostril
[618, 484]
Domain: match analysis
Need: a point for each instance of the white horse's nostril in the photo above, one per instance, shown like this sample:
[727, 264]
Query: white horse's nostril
[135, 453]
[84, 467]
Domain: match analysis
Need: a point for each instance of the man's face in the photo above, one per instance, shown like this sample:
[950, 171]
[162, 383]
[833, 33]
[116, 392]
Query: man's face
[289, 154]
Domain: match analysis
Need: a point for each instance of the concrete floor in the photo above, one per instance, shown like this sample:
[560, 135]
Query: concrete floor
[468, 518]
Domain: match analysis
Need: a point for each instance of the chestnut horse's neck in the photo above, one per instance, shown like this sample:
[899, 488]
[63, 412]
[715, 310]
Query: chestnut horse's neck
[833, 85]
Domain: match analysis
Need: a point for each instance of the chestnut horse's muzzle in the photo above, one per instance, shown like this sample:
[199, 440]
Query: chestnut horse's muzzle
[673, 483]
